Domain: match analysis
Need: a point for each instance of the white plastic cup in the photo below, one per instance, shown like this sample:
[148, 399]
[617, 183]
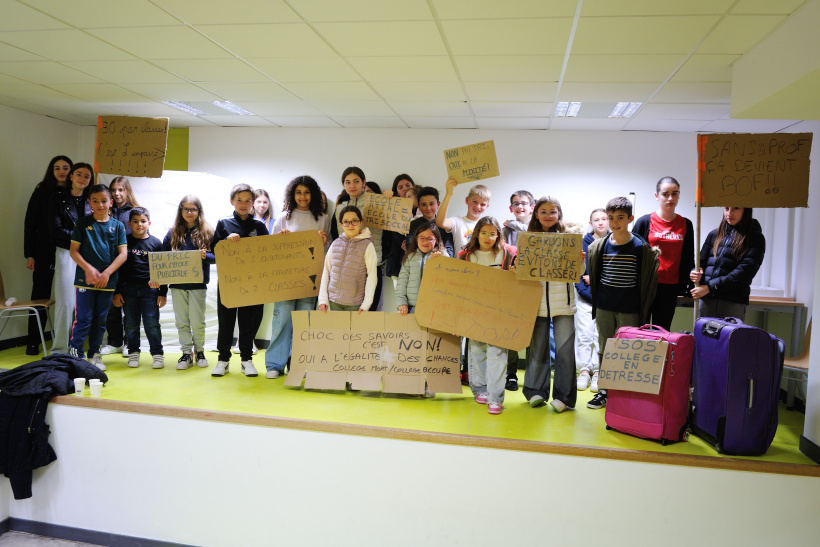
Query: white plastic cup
[96, 389]
[79, 385]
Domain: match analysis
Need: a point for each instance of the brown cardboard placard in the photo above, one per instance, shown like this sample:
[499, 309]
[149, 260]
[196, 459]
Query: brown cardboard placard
[755, 170]
[393, 214]
[633, 364]
[329, 337]
[478, 302]
[405, 355]
[167, 268]
[131, 145]
[262, 269]
[366, 343]
[549, 257]
[472, 162]
[443, 362]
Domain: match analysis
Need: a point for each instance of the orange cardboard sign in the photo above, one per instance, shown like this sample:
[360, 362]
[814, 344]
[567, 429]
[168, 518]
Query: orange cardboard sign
[130, 145]
[167, 268]
[472, 162]
[633, 364]
[549, 257]
[393, 214]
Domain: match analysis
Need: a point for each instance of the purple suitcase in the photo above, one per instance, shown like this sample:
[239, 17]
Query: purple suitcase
[736, 377]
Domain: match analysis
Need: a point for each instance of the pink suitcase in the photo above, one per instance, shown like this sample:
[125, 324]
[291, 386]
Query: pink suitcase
[662, 416]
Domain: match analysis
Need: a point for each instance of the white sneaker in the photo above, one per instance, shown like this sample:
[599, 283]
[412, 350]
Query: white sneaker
[248, 369]
[593, 386]
[583, 380]
[184, 362]
[272, 374]
[221, 368]
[201, 362]
[108, 349]
[124, 350]
[159, 361]
[97, 362]
[427, 393]
[134, 360]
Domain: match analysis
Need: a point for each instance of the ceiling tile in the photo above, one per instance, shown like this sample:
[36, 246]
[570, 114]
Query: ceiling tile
[353, 108]
[4, 79]
[746, 126]
[165, 42]
[93, 13]
[457, 122]
[637, 35]
[183, 120]
[125, 72]
[283, 40]
[654, 111]
[11, 53]
[203, 12]
[313, 69]
[149, 109]
[45, 72]
[511, 110]
[33, 93]
[250, 91]
[674, 126]
[603, 92]
[333, 91]
[512, 123]
[655, 7]
[420, 91]
[588, 124]
[362, 10]
[102, 93]
[767, 7]
[213, 70]
[470, 9]
[17, 16]
[706, 68]
[364, 121]
[438, 68]
[238, 121]
[80, 107]
[454, 109]
[738, 33]
[64, 45]
[279, 108]
[621, 68]
[400, 38]
[510, 91]
[510, 68]
[303, 121]
[508, 36]
[694, 93]
[172, 92]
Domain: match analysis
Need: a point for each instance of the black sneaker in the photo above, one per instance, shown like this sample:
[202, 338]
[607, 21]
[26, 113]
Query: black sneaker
[599, 401]
[184, 361]
[512, 384]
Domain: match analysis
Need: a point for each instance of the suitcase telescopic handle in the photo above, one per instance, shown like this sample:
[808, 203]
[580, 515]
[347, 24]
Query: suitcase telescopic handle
[733, 320]
[653, 327]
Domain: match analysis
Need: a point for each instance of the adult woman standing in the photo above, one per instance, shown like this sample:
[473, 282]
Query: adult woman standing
[674, 235]
[37, 244]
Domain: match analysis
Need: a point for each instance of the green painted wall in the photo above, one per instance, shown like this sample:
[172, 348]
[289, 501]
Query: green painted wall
[176, 157]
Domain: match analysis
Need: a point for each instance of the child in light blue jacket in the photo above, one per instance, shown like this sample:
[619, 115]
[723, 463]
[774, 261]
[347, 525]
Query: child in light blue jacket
[426, 243]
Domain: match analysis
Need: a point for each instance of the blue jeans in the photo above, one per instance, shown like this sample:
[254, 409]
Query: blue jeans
[281, 331]
[91, 311]
[142, 302]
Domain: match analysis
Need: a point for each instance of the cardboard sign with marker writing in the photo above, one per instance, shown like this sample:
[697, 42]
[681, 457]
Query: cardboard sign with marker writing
[172, 267]
[478, 302]
[472, 162]
[371, 351]
[633, 364]
[130, 145]
[755, 170]
[549, 257]
[393, 214]
[262, 269]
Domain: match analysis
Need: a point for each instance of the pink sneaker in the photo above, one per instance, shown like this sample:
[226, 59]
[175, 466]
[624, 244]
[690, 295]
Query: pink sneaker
[481, 398]
[494, 408]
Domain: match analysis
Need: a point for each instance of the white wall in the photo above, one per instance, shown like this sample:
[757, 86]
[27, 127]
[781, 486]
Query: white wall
[27, 144]
[214, 484]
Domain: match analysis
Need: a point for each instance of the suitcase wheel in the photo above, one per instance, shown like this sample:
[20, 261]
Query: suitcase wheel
[608, 428]
[664, 442]
[686, 435]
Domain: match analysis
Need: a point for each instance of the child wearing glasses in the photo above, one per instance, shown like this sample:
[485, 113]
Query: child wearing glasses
[426, 244]
[349, 277]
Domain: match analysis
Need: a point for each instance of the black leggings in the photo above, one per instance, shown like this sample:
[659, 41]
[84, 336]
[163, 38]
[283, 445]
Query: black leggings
[663, 307]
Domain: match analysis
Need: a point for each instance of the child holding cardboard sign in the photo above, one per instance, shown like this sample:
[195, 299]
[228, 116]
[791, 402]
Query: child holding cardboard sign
[487, 363]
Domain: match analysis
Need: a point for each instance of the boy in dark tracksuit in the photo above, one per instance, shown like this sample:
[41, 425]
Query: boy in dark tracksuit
[623, 278]
[140, 298]
[229, 230]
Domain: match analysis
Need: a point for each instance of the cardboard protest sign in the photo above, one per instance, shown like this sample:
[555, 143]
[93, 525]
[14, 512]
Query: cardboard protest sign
[261, 269]
[478, 302]
[129, 145]
[371, 351]
[472, 162]
[754, 170]
[172, 267]
[549, 257]
[633, 364]
[386, 213]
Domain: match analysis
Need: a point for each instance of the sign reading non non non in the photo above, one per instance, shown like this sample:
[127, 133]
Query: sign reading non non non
[172, 267]
[549, 257]
[129, 145]
[633, 364]
[472, 162]
[477, 302]
[755, 170]
[261, 269]
[393, 214]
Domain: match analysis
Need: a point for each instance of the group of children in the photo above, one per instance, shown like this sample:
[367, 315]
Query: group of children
[630, 276]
